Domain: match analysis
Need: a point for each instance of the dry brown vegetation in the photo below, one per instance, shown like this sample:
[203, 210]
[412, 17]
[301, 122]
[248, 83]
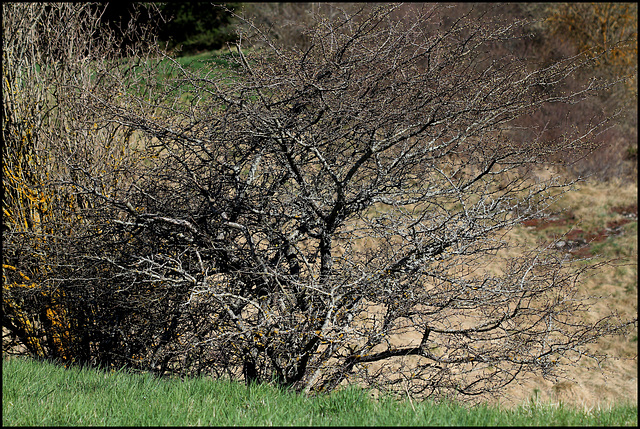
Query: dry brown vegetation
[594, 206]
[602, 219]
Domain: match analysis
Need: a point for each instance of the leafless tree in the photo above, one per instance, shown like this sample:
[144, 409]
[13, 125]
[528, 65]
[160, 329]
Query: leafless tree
[334, 212]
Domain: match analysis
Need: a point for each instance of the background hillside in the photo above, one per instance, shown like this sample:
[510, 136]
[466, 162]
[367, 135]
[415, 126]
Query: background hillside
[557, 30]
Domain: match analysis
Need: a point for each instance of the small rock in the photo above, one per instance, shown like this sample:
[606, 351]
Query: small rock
[577, 242]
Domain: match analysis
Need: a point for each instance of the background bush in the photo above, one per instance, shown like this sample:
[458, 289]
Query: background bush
[196, 26]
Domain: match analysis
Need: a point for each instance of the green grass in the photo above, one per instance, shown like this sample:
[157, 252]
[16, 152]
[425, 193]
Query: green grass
[43, 394]
[222, 59]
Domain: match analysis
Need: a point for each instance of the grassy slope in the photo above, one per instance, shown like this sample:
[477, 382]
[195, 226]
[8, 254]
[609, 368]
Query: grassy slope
[36, 393]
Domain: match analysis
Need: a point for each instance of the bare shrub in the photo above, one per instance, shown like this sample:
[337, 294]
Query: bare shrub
[326, 213]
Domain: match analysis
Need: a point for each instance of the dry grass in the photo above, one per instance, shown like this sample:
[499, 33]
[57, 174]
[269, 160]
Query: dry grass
[594, 206]
[591, 208]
